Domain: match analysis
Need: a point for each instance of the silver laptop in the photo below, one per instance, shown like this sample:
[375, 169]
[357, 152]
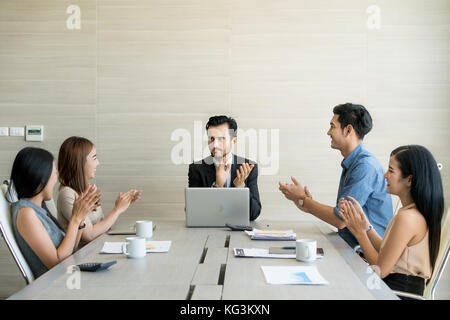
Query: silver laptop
[214, 207]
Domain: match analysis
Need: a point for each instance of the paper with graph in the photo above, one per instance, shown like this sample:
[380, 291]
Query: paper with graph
[306, 275]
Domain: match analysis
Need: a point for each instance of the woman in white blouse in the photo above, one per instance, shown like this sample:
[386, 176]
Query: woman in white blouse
[77, 163]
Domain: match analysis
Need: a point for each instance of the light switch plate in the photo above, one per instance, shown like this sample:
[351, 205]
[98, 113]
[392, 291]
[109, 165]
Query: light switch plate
[17, 131]
[4, 131]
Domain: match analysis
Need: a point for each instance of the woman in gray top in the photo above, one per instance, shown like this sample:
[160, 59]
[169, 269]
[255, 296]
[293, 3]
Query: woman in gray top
[42, 242]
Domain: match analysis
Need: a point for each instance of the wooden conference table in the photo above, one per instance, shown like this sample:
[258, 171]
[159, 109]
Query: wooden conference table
[201, 265]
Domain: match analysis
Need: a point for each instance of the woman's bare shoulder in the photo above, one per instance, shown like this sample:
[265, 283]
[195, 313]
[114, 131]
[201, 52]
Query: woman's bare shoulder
[410, 215]
[412, 220]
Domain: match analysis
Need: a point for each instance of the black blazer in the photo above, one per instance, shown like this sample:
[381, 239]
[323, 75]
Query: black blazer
[203, 175]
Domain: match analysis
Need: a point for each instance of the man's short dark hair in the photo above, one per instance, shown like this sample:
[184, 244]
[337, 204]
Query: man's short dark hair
[218, 120]
[355, 115]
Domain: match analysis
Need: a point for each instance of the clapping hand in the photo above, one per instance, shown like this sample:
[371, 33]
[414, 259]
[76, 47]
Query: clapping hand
[353, 215]
[85, 203]
[222, 173]
[136, 195]
[292, 191]
[242, 174]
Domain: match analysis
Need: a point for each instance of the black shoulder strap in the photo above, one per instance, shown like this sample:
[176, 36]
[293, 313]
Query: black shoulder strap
[55, 221]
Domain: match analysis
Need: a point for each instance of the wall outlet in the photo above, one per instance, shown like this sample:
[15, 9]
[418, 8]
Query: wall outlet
[17, 131]
[4, 131]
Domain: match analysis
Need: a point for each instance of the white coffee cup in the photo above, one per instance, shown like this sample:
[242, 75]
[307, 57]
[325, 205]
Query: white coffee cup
[144, 229]
[134, 247]
[306, 250]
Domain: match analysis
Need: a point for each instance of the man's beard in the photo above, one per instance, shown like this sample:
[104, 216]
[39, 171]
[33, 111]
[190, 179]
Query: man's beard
[218, 154]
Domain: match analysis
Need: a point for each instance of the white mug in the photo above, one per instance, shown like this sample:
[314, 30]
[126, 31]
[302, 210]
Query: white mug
[134, 247]
[144, 229]
[306, 250]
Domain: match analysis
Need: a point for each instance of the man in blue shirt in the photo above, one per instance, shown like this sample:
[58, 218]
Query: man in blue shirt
[362, 175]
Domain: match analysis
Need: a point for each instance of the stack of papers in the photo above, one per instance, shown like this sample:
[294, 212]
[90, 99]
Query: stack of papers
[260, 253]
[256, 234]
[265, 253]
[308, 275]
[152, 246]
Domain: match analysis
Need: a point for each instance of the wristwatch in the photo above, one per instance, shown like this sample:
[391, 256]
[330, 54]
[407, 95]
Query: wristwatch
[301, 201]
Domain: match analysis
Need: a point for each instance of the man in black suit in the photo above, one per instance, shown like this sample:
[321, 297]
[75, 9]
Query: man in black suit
[223, 169]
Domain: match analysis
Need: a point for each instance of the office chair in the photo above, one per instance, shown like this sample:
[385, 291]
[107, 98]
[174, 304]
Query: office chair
[6, 228]
[441, 262]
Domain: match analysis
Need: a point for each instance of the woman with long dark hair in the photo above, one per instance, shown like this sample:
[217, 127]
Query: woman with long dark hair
[407, 254]
[42, 242]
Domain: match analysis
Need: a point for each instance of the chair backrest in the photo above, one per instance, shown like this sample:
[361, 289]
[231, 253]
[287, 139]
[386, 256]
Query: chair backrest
[8, 234]
[442, 258]
[396, 204]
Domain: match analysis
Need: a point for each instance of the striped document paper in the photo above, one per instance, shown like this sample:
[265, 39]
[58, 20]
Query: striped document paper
[256, 234]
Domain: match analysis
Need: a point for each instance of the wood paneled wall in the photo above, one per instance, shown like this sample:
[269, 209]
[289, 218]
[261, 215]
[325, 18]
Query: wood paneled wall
[138, 70]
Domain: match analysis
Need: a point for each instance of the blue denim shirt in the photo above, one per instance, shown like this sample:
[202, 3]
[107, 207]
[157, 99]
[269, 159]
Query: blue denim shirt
[363, 179]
